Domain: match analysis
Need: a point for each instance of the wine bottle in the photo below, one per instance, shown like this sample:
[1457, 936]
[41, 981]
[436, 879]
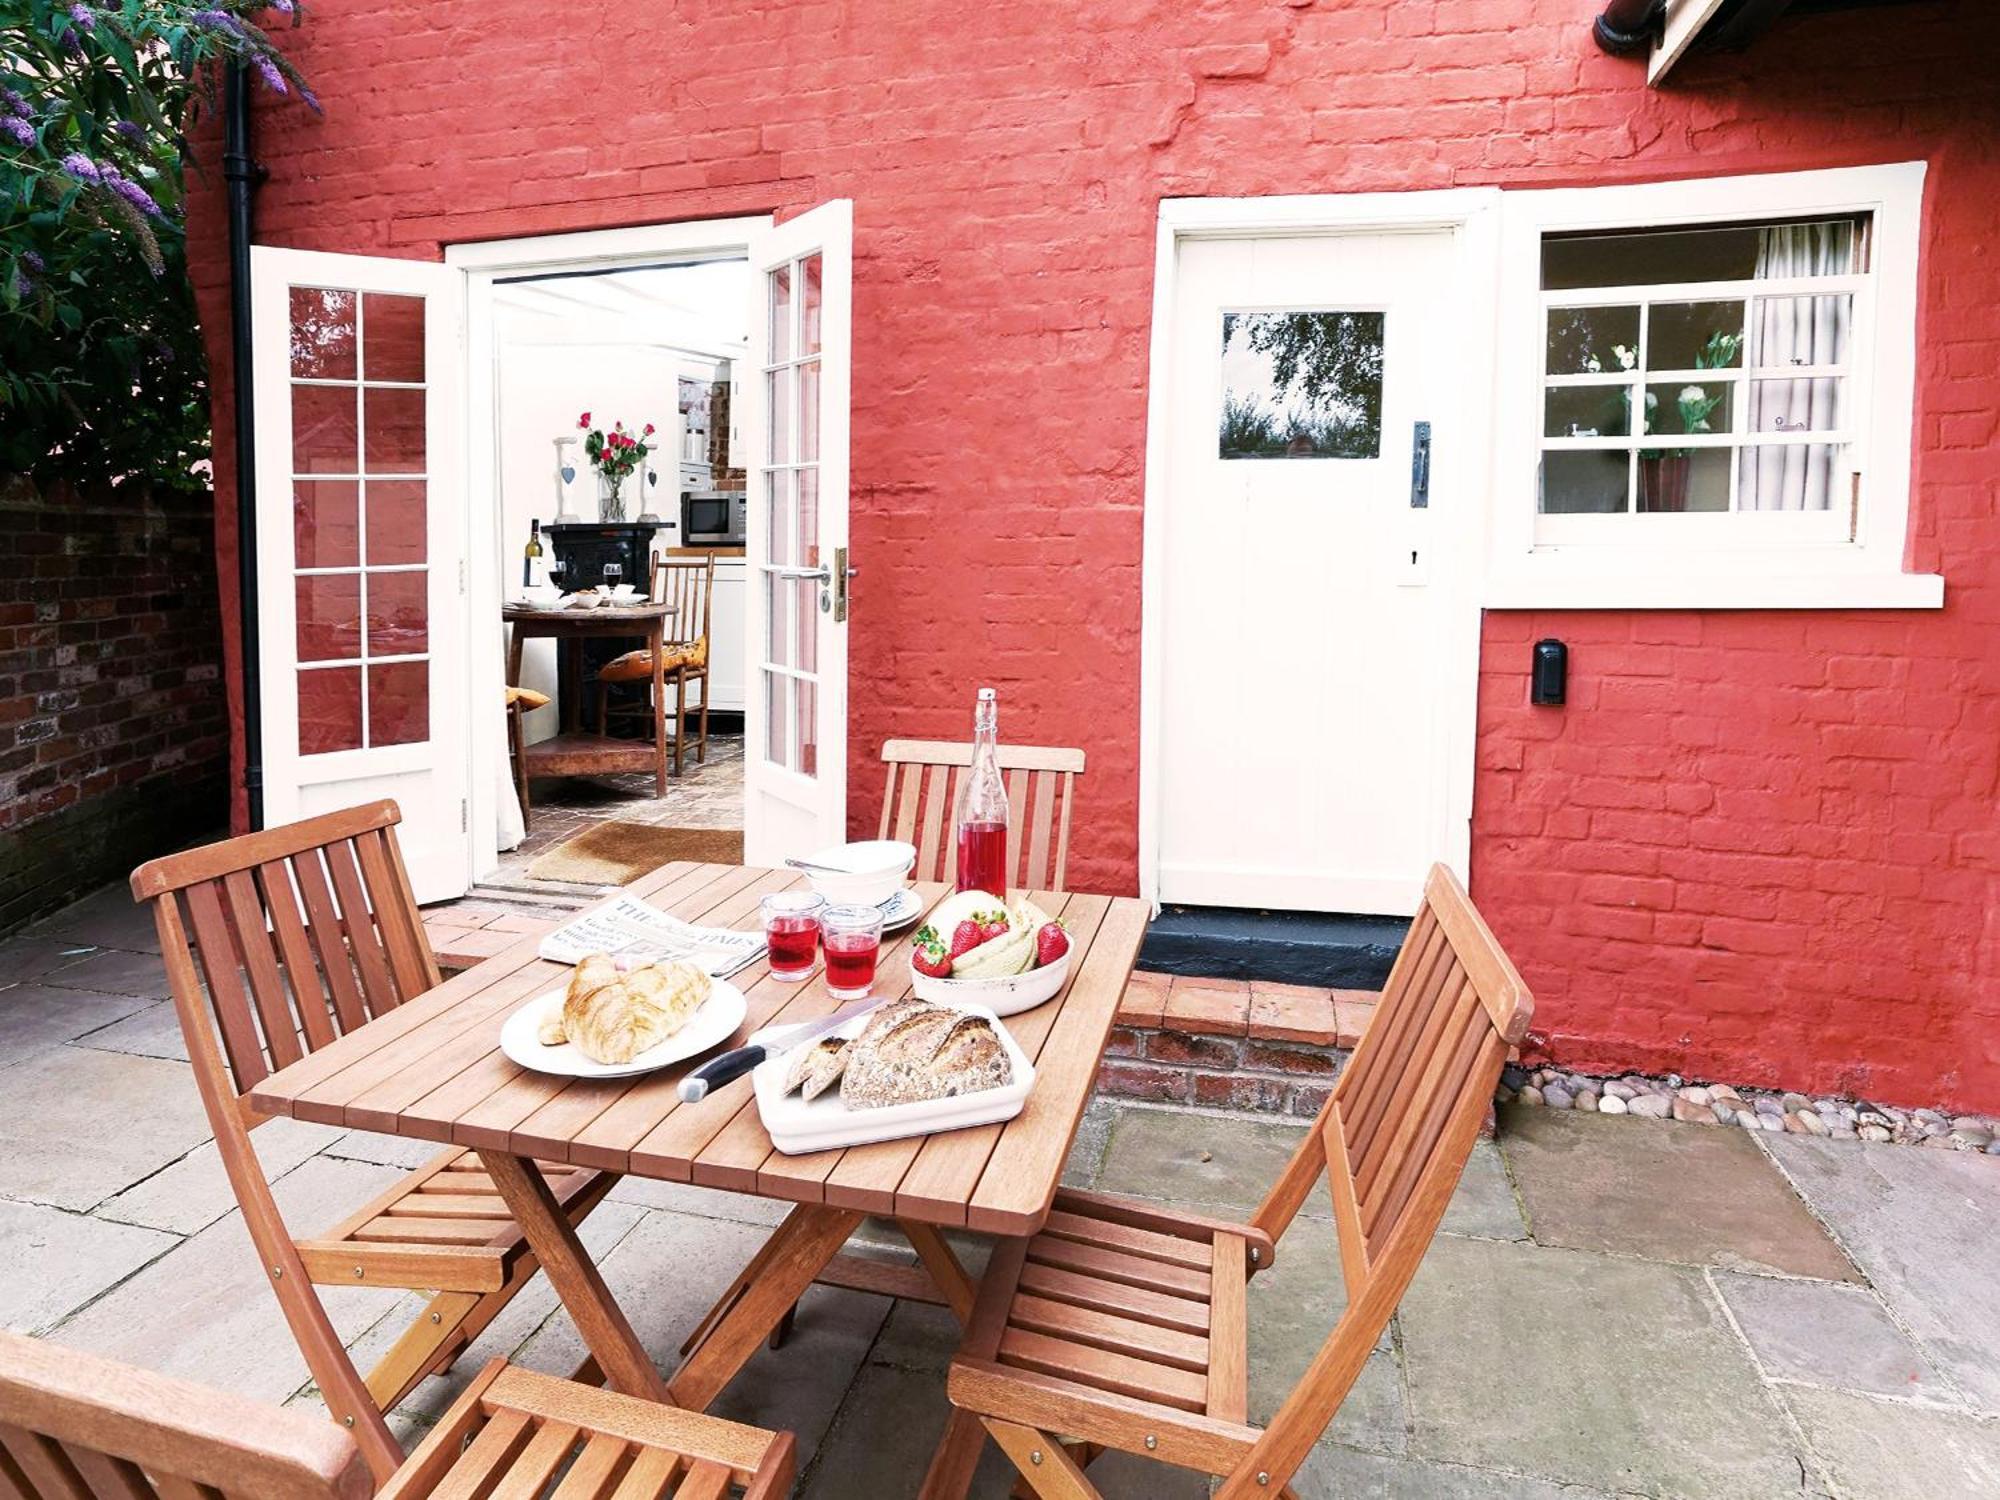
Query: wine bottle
[980, 819]
[531, 555]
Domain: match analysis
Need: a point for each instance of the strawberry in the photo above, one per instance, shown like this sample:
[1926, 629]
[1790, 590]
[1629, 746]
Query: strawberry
[1051, 943]
[930, 959]
[966, 936]
[993, 924]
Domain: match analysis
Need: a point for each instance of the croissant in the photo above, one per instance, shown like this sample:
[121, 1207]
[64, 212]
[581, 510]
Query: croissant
[613, 1017]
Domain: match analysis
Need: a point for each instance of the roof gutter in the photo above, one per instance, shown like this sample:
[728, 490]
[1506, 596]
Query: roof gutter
[241, 175]
[1628, 26]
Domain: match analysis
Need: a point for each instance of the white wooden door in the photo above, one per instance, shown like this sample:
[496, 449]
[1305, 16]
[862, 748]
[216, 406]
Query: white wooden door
[795, 681]
[1303, 722]
[361, 547]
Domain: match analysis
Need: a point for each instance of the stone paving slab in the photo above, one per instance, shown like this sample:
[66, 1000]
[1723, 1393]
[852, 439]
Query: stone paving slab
[153, 1031]
[57, 1261]
[1921, 1224]
[204, 1311]
[1828, 1334]
[1636, 1187]
[194, 1192]
[81, 1125]
[116, 971]
[1331, 1472]
[1586, 1369]
[24, 956]
[1885, 1450]
[36, 1018]
[107, 918]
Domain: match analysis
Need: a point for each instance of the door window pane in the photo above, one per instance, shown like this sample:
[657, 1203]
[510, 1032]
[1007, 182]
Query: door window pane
[323, 430]
[393, 430]
[1301, 385]
[807, 550]
[777, 732]
[399, 703]
[329, 623]
[322, 334]
[805, 722]
[778, 415]
[780, 287]
[778, 515]
[392, 337]
[329, 710]
[398, 613]
[809, 412]
[809, 305]
[397, 522]
[780, 597]
[326, 523]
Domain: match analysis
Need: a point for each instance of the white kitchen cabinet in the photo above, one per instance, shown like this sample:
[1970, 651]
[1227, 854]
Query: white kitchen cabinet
[728, 624]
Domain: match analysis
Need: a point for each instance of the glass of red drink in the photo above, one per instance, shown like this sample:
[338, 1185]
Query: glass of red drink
[791, 933]
[853, 936]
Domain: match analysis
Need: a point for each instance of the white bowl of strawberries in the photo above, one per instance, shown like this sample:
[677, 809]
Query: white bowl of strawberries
[973, 950]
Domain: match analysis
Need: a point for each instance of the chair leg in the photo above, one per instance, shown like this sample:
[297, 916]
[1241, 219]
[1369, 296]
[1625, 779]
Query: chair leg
[701, 750]
[603, 709]
[680, 718]
[422, 1347]
[784, 1329]
[1051, 1473]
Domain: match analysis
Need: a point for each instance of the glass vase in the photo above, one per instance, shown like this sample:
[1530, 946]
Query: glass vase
[610, 497]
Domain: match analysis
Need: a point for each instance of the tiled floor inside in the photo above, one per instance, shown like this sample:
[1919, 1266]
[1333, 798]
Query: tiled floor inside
[1616, 1307]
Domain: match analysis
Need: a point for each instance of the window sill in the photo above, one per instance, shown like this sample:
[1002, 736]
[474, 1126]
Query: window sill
[1523, 589]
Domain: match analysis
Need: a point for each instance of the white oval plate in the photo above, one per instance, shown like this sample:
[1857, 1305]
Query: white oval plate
[901, 909]
[714, 1023]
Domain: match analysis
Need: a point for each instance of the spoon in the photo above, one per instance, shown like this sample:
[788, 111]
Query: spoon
[806, 864]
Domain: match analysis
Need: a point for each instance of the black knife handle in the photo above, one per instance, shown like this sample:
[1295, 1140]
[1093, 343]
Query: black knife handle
[719, 1070]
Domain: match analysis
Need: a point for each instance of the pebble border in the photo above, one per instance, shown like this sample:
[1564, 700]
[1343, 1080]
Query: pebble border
[1672, 1098]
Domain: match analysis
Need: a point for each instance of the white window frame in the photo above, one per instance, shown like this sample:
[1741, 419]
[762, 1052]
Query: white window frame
[1849, 557]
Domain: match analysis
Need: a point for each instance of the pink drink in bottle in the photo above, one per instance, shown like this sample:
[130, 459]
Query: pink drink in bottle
[981, 816]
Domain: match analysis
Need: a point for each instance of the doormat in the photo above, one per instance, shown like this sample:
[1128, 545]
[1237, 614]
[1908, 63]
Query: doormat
[618, 853]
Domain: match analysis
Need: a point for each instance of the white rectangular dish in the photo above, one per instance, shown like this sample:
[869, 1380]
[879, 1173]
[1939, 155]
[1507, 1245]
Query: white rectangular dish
[798, 1128]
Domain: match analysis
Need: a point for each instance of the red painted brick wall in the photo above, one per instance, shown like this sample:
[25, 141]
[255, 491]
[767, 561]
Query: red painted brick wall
[1755, 845]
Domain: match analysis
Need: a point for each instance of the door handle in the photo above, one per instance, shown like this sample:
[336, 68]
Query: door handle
[1420, 467]
[832, 582]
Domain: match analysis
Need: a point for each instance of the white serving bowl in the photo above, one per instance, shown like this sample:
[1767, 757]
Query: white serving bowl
[864, 874]
[1005, 996]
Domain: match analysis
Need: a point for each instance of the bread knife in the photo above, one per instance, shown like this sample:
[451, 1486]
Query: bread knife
[769, 1042]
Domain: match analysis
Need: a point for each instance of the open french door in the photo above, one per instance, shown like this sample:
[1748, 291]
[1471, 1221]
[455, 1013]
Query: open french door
[361, 547]
[795, 757]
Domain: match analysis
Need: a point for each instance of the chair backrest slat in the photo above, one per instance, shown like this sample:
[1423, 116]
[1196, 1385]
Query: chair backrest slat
[77, 1427]
[687, 583]
[397, 920]
[328, 939]
[364, 942]
[920, 791]
[1392, 1140]
[302, 976]
[260, 968]
[227, 997]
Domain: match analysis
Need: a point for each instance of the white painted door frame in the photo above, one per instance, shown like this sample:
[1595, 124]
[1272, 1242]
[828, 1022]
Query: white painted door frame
[1472, 214]
[485, 263]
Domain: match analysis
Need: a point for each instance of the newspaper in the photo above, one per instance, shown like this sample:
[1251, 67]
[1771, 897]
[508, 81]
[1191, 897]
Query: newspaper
[638, 932]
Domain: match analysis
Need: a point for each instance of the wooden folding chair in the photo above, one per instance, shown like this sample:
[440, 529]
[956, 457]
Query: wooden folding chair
[74, 1426]
[303, 933]
[1125, 1325]
[689, 585]
[923, 781]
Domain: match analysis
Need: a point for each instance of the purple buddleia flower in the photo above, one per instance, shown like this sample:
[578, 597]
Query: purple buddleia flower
[268, 71]
[82, 168]
[22, 132]
[34, 262]
[130, 130]
[215, 20]
[70, 44]
[131, 192]
[84, 17]
[23, 283]
[15, 103]
[283, 7]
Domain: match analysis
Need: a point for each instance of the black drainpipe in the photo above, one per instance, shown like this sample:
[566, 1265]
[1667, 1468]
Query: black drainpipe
[241, 174]
[1628, 26]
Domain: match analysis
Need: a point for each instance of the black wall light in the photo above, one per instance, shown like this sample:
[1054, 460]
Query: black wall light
[1550, 678]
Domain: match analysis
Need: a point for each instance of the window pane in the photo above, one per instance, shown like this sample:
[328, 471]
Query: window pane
[805, 728]
[1728, 252]
[323, 437]
[1684, 481]
[397, 522]
[329, 623]
[329, 710]
[1800, 330]
[780, 288]
[393, 428]
[392, 337]
[808, 532]
[780, 596]
[1584, 483]
[1807, 404]
[326, 523]
[809, 412]
[398, 613]
[1593, 340]
[777, 732]
[1679, 409]
[805, 621]
[778, 514]
[778, 415]
[399, 703]
[809, 304]
[1587, 411]
[1792, 476]
[322, 334]
[1694, 336]
[1301, 385]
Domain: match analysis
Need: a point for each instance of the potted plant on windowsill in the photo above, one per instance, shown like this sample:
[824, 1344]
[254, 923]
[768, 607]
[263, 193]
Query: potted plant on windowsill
[615, 455]
[1664, 473]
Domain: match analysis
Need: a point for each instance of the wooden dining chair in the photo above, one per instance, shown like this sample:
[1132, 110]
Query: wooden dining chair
[922, 786]
[520, 703]
[687, 583]
[75, 1426]
[1126, 1325]
[275, 944]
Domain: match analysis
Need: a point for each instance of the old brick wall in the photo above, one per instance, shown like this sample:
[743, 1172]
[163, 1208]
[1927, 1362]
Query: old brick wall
[1756, 845]
[113, 720]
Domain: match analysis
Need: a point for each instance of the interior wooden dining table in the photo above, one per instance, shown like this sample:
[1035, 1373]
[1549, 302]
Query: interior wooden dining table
[433, 1069]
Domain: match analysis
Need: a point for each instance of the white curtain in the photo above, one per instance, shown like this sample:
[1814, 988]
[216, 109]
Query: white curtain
[1796, 331]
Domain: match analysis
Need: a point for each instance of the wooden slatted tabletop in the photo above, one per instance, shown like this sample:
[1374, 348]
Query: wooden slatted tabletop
[433, 1069]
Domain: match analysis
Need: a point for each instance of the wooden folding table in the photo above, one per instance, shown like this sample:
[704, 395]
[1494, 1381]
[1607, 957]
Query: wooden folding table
[433, 1069]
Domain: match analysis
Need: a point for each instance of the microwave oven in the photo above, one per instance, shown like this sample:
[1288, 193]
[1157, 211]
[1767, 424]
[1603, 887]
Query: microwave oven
[713, 518]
